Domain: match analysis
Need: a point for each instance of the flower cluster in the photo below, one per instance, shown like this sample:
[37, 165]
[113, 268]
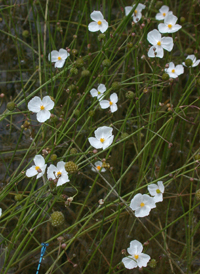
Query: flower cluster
[58, 174]
[137, 11]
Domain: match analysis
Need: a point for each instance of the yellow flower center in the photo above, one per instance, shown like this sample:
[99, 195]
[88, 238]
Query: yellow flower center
[173, 70]
[142, 204]
[42, 107]
[59, 58]
[136, 256]
[37, 167]
[111, 103]
[164, 14]
[169, 26]
[98, 167]
[99, 23]
[159, 43]
[135, 11]
[59, 174]
[158, 191]
[98, 92]
[102, 140]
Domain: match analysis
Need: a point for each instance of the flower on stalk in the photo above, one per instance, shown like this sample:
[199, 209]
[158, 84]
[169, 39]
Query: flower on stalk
[37, 169]
[58, 173]
[142, 204]
[169, 25]
[58, 57]
[99, 22]
[111, 103]
[41, 107]
[136, 258]
[157, 191]
[103, 138]
[137, 15]
[98, 92]
[195, 62]
[154, 37]
[174, 71]
[163, 12]
[98, 167]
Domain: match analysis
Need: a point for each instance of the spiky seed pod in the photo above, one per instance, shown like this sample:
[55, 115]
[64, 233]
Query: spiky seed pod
[10, 105]
[188, 62]
[130, 94]
[71, 167]
[73, 151]
[106, 63]
[165, 77]
[116, 85]
[18, 197]
[85, 73]
[57, 218]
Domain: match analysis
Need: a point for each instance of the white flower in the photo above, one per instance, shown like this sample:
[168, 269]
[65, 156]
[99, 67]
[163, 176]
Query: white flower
[37, 169]
[41, 107]
[163, 12]
[169, 25]
[99, 22]
[142, 204]
[112, 103]
[0, 212]
[98, 92]
[154, 37]
[58, 57]
[137, 15]
[137, 258]
[103, 138]
[157, 191]
[195, 62]
[173, 71]
[98, 167]
[58, 172]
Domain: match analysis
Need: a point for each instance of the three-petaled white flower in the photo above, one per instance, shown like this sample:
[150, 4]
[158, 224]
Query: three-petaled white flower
[174, 71]
[37, 169]
[99, 22]
[58, 57]
[154, 37]
[137, 15]
[111, 103]
[163, 12]
[137, 258]
[98, 167]
[157, 191]
[103, 137]
[142, 204]
[41, 107]
[169, 25]
[58, 173]
[195, 62]
[98, 92]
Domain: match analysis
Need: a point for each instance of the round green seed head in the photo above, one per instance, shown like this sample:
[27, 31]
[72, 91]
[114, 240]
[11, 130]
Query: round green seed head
[74, 71]
[106, 63]
[91, 113]
[182, 20]
[10, 105]
[116, 85]
[197, 195]
[130, 45]
[124, 135]
[71, 167]
[74, 51]
[130, 94]
[25, 33]
[188, 62]
[73, 151]
[79, 62]
[53, 157]
[165, 77]
[71, 87]
[101, 36]
[189, 51]
[57, 218]
[18, 197]
[152, 263]
[76, 112]
[197, 157]
[85, 73]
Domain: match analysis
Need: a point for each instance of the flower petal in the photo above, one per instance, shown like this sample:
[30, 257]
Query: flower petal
[43, 115]
[137, 17]
[129, 263]
[48, 103]
[108, 142]
[96, 16]
[63, 53]
[93, 92]
[152, 189]
[93, 27]
[53, 56]
[128, 10]
[62, 180]
[43, 168]
[113, 108]
[140, 7]
[143, 260]
[163, 28]
[34, 104]
[101, 88]
[39, 160]
[95, 143]
[104, 104]
[135, 247]
[195, 63]
[136, 201]
[158, 197]
[103, 132]
[31, 172]
[170, 19]
[104, 26]
[153, 37]
[167, 43]
[60, 63]
[51, 171]
[114, 98]
[160, 183]
[175, 28]
[142, 211]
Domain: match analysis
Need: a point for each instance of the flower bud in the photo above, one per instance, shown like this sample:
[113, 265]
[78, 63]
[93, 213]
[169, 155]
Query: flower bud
[73, 151]
[189, 51]
[18, 197]
[85, 73]
[53, 157]
[182, 20]
[165, 77]
[91, 113]
[130, 45]
[25, 33]
[124, 135]
[130, 94]
[116, 85]
[106, 63]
